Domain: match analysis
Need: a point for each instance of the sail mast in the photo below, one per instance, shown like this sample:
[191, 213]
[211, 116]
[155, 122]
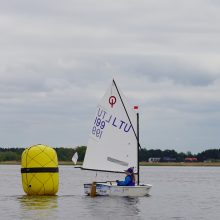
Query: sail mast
[138, 168]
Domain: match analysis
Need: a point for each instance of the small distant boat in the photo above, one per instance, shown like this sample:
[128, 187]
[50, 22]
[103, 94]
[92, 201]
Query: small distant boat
[113, 145]
[75, 158]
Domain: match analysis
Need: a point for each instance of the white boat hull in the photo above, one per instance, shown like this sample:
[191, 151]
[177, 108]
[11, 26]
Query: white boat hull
[105, 189]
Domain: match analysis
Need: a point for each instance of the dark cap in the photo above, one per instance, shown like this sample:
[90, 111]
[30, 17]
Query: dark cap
[130, 170]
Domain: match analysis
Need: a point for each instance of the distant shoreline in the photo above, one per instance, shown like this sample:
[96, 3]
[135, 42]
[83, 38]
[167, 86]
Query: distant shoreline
[182, 164]
[176, 164]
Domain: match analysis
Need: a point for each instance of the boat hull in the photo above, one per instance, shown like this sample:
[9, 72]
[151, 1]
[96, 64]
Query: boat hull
[114, 190]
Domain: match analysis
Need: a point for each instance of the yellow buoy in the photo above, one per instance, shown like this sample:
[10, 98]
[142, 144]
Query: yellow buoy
[39, 170]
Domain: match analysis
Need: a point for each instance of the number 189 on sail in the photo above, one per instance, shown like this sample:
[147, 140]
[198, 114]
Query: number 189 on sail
[98, 127]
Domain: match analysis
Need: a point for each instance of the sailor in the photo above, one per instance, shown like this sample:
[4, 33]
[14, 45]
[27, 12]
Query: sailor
[129, 179]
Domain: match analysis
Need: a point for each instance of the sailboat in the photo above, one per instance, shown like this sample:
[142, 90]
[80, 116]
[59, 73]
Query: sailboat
[113, 145]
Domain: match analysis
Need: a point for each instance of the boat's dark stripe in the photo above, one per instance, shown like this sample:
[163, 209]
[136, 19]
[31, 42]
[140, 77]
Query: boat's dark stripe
[40, 170]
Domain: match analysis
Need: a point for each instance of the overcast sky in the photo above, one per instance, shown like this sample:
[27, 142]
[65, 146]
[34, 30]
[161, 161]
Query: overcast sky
[57, 58]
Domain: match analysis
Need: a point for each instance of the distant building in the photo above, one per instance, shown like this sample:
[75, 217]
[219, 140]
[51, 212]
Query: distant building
[169, 159]
[154, 159]
[191, 159]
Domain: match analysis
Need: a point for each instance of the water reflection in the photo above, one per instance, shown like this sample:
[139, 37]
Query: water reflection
[106, 207]
[39, 207]
[38, 202]
[132, 205]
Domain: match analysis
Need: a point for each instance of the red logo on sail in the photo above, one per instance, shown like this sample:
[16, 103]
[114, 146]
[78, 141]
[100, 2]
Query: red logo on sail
[112, 100]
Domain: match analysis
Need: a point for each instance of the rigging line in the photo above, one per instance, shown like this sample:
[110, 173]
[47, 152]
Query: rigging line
[127, 114]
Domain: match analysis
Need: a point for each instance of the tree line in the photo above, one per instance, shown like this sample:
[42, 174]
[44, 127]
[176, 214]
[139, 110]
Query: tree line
[65, 154]
[172, 155]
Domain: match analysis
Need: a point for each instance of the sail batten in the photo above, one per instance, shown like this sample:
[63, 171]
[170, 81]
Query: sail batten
[112, 145]
[108, 171]
[113, 160]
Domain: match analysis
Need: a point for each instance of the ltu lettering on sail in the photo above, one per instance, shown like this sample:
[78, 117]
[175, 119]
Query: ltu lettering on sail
[102, 116]
[121, 124]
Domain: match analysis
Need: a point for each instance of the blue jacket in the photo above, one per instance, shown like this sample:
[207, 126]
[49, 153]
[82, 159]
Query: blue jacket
[127, 182]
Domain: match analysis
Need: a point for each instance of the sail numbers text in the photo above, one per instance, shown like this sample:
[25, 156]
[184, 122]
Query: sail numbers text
[103, 118]
[98, 127]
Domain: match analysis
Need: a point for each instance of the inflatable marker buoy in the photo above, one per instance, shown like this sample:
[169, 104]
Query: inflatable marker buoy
[39, 170]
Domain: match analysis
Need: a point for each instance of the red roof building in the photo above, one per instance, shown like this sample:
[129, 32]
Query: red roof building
[191, 159]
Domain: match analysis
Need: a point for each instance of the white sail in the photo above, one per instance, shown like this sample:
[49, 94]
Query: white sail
[112, 144]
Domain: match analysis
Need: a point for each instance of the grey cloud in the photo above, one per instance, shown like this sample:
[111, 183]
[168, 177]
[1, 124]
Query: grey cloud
[57, 60]
[159, 68]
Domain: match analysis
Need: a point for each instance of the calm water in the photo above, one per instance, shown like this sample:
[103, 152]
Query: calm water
[177, 193]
